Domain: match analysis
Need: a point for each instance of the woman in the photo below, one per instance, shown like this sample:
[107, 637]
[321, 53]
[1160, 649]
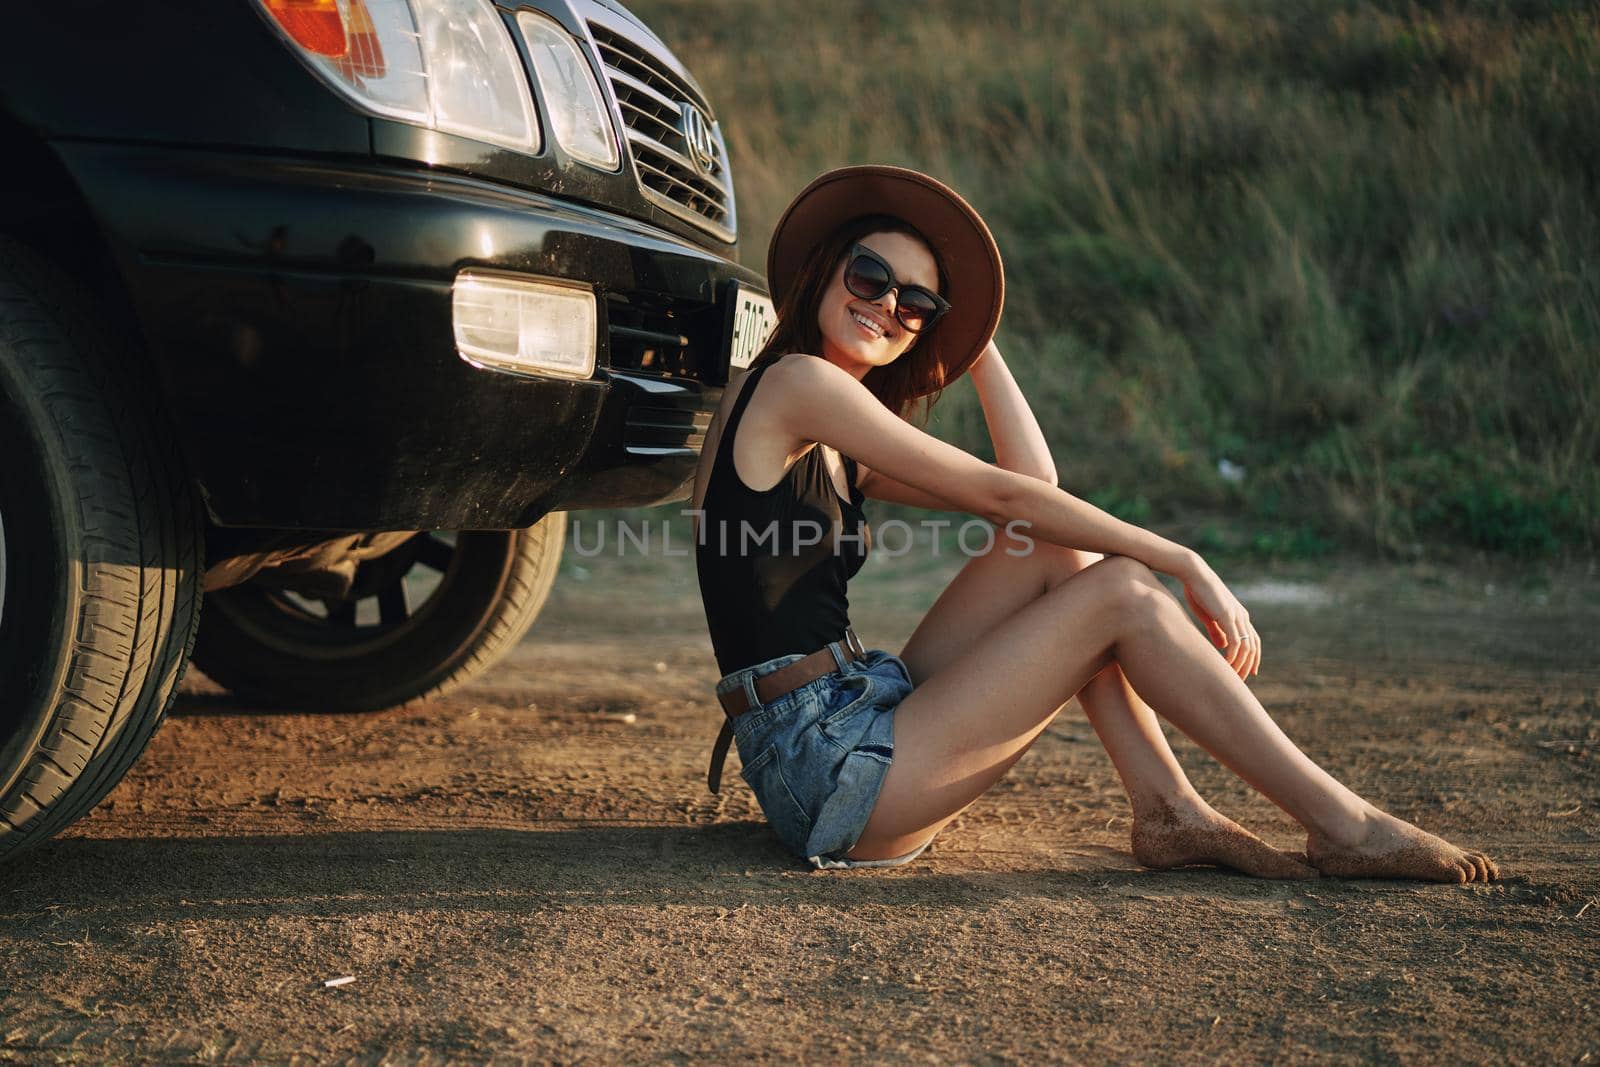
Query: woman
[889, 286]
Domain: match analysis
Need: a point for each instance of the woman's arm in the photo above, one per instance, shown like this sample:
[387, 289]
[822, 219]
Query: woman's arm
[1019, 444]
[822, 403]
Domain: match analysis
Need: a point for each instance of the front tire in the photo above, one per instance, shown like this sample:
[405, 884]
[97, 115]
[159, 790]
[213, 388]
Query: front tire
[376, 649]
[100, 568]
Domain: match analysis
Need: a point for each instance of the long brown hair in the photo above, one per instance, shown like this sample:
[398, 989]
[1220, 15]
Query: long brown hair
[917, 374]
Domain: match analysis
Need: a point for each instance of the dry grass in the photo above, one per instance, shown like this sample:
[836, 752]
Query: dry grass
[1346, 246]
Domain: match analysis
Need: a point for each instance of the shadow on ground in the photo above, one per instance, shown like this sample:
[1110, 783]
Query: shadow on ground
[381, 872]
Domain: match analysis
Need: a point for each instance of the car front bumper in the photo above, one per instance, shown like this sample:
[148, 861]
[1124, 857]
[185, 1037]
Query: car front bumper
[298, 315]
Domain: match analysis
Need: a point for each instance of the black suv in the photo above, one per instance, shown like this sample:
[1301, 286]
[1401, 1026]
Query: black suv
[329, 309]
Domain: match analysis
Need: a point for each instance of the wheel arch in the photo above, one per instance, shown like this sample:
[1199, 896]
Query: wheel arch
[43, 209]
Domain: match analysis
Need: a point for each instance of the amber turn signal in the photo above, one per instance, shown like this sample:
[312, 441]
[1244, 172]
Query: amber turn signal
[342, 30]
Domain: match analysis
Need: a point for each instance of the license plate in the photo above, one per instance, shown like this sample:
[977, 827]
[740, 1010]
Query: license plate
[753, 319]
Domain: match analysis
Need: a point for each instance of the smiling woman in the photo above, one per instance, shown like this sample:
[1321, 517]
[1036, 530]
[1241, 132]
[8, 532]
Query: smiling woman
[889, 287]
[869, 276]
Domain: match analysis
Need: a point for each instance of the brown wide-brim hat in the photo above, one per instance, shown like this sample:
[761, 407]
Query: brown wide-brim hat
[962, 242]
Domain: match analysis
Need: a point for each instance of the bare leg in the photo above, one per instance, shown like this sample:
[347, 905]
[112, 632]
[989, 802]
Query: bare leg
[963, 727]
[1172, 825]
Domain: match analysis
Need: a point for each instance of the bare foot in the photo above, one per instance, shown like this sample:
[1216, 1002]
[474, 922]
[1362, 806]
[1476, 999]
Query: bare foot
[1393, 848]
[1164, 837]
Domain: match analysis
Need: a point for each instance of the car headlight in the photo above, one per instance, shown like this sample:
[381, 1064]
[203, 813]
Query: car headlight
[578, 112]
[447, 64]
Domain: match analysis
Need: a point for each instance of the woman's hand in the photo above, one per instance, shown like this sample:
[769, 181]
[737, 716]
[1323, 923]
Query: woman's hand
[1226, 621]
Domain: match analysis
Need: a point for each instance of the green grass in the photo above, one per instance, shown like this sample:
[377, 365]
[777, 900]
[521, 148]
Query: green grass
[1348, 247]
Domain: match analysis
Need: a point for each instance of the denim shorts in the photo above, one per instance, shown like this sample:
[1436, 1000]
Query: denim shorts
[816, 756]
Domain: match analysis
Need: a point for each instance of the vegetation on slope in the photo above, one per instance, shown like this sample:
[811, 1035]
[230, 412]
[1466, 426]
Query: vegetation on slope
[1347, 247]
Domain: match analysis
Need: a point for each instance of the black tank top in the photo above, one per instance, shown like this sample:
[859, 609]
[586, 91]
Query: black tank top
[773, 564]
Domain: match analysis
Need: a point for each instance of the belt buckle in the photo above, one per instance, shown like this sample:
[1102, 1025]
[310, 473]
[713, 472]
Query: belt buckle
[853, 642]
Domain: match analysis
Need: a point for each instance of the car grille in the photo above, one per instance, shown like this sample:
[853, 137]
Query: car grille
[657, 358]
[660, 429]
[652, 99]
[679, 341]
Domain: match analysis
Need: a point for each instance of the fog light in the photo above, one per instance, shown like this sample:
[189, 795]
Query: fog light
[517, 324]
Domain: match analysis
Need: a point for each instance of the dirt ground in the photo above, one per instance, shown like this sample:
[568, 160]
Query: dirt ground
[532, 869]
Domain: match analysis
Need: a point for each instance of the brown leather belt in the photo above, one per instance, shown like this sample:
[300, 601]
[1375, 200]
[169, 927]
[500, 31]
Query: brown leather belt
[769, 687]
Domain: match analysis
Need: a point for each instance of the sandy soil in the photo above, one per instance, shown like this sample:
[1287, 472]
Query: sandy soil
[533, 870]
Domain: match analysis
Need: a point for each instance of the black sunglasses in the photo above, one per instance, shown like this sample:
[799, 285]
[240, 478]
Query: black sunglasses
[868, 276]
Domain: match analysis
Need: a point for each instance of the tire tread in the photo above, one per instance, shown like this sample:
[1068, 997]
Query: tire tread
[136, 620]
